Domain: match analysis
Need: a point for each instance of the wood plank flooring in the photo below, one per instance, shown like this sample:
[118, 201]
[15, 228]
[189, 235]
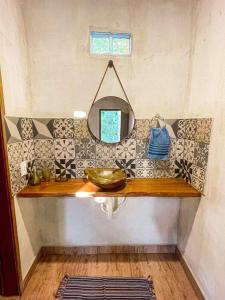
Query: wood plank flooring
[168, 275]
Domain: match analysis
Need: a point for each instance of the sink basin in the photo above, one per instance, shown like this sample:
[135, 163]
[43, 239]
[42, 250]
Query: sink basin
[106, 178]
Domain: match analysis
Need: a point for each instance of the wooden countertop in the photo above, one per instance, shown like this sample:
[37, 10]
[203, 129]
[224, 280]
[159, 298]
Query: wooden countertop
[154, 187]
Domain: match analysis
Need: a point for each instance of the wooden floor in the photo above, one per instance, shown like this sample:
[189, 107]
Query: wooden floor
[169, 278]
[168, 275]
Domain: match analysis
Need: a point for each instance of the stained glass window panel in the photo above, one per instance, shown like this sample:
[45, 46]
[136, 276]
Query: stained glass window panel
[110, 126]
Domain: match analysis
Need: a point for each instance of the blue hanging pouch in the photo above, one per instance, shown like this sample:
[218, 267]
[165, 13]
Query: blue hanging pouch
[159, 144]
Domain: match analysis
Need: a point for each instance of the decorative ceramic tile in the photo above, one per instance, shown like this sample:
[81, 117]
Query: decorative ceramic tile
[180, 149]
[81, 165]
[173, 149]
[105, 163]
[174, 126]
[81, 129]
[163, 169]
[163, 173]
[126, 149]
[183, 169]
[15, 154]
[80, 173]
[63, 128]
[46, 163]
[189, 150]
[44, 149]
[191, 125]
[43, 128]
[129, 154]
[64, 148]
[104, 151]
[28, 150]
[145, 164]
[65, 167]
[17, 182]
[145, 173]
[12, 129]
[201, 154]
[29, 169]
[128, 165]
[198, 184]
[186, 129]
[142, 128]
[27, 131]
[181, 129]
[15, 179]
[172, 168]
[199, 173]
[141, 148]
[84, 163]
[203, 130]
[85, 148]
[162, 164]
[145, 168]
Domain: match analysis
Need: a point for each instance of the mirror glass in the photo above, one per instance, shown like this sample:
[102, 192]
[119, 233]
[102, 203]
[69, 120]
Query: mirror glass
[111, 119]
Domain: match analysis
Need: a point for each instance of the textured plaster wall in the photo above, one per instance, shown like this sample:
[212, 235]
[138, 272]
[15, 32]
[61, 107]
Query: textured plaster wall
[64, 77]
[63, 72]
[159, 77]
[80, 221]
[14, 71]
[203, 241]
[13, 59]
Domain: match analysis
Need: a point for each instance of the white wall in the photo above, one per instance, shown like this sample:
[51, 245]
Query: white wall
[28, 217]
[158, 78]
[13, 59]
[60, 71]
[64, 77]
[205, 247]
[14, 71]
[63, 72]
[80, 221]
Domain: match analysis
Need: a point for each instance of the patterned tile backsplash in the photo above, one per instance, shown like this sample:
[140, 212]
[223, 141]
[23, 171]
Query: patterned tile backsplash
[65, 145]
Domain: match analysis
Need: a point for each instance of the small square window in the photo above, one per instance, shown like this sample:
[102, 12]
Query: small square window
[106, 43]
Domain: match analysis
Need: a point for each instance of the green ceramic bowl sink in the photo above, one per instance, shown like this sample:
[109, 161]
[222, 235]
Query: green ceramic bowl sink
[106, 178]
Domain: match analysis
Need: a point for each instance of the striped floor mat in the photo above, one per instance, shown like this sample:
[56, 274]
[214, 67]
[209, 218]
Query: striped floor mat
[105, 288]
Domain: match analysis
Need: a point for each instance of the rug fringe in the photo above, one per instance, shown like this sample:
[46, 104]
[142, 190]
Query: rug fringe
[62, 286]
[151, 287]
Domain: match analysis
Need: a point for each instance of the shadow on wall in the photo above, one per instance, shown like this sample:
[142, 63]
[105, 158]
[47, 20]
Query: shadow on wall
[77, 222]
[29, 217]
[188, 210]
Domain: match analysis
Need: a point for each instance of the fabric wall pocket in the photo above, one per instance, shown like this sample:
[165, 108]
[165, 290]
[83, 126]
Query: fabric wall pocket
[159, 144]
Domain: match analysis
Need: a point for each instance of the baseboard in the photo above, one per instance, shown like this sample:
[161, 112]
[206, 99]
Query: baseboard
[91, 250]
[115, 249]
[189, 275]
[31, 270]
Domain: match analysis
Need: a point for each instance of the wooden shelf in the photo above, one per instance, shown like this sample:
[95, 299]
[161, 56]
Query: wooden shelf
[154, 187]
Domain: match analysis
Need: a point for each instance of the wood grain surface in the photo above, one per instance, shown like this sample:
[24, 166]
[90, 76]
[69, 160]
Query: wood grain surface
[170, 280]
[155, 187]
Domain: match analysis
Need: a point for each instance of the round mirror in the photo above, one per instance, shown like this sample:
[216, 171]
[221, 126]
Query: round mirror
[111, 119]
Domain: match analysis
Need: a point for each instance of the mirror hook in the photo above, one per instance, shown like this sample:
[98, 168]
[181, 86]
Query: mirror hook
[110, 64]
